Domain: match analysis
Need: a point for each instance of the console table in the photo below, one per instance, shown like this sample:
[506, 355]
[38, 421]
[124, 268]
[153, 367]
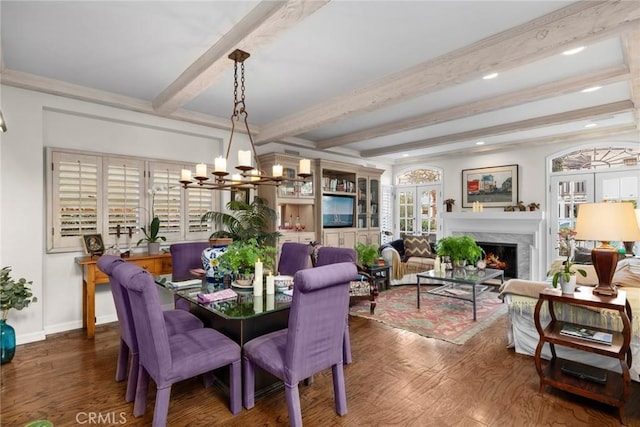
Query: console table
[92, 276]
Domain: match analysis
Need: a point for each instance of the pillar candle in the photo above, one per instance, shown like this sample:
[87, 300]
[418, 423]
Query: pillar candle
[201, 170]
[270, 284]
[185, 175]
[257, 304]
[305, 166]
[277, 170]
[257, 282]
[236, 177]
[244, 158]
[220, 164]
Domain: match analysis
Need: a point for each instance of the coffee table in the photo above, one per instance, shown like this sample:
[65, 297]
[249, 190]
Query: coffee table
[460, 283]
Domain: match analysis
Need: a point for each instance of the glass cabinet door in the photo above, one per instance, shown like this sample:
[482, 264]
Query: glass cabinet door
[362, 202]
[306, 188]
[288, 188]
[374, 212]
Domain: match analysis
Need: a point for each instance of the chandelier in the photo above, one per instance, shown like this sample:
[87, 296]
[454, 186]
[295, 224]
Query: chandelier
[248, 175]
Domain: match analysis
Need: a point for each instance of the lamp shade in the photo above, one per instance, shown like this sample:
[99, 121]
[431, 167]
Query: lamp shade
[607, 222]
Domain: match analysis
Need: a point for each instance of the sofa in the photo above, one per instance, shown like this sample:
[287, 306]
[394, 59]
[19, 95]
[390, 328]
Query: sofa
[408, 256]
[521, 297]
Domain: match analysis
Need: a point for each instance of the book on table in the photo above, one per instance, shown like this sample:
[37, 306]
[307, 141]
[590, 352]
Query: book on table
[587, 334]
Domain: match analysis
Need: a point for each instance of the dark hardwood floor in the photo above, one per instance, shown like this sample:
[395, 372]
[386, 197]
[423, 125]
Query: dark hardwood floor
[397, 379]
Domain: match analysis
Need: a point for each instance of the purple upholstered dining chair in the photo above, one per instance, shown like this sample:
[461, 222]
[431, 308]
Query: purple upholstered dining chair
[294, 257]
[184, 257]
[168, 359]
[176, 320]
[311, 343]
[329, 255]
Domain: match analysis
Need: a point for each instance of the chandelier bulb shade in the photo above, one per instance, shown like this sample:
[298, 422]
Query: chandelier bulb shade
[250, 174]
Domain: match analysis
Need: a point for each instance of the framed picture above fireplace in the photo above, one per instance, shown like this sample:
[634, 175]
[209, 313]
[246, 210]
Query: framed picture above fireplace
[495, 186]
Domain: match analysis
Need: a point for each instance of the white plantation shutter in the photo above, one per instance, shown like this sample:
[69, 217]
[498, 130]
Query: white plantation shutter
[75, 198]
[198, 203]
[165, 198]
[124, 181]
[386, 214]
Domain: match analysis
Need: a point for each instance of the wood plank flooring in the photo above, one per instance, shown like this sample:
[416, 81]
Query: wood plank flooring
[397, 379]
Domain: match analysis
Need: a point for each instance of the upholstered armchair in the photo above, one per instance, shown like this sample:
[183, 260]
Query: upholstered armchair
[311, 343]
[166, 358]
[177, 321]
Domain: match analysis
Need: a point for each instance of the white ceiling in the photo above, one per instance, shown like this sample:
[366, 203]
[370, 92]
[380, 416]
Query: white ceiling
[389, 80]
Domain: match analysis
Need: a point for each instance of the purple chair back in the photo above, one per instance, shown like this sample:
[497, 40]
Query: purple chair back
[146, 309]
[185, 257]
[329, 255]
[294, 257]
[318, 311]
[108, 264]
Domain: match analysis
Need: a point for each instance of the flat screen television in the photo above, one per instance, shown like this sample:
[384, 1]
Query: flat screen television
[338, 211]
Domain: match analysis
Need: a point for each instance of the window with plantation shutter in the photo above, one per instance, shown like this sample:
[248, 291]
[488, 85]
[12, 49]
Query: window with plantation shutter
[124, 182]
[386, 213]
[75, 198]
[198, 203]
[165, 196]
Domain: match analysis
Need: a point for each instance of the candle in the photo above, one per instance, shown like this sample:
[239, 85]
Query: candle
[255, 174]
[244, 158]
[220, 164]
[185, 175]
[201, 170]
[257, 304]
[270, 284]
[271, 300]
[236, 177]
[277, 170]
[305, 166]
[257, 282]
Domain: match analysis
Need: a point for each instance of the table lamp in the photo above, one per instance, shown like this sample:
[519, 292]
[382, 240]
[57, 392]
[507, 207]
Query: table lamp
[606, 222]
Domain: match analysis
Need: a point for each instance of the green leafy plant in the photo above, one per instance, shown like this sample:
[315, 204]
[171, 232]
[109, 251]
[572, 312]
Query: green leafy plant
[151, 233]
[245, 221]
[241, 256]
[459, 248]
[367, 254]
[14, 294]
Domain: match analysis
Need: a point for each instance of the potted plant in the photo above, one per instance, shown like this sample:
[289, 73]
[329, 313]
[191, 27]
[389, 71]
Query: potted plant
[13, 294]
[240, 258]
[567, 274]
[533, 206]
[152, 231]
[459, 249]
[244, 221]
[367, 254]
[449, 203]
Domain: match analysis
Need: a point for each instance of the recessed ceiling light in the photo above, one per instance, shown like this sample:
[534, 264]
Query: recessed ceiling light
[573, 51]
[405, 155]
[480, 143]
[591, 125]
[591, 89]
[490, 76]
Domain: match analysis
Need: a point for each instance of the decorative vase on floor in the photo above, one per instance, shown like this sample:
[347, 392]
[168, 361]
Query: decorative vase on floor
[568, 287]
[7, 342]
[153, 248]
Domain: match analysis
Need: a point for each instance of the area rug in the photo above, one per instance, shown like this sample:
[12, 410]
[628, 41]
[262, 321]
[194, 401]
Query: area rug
[447, 319]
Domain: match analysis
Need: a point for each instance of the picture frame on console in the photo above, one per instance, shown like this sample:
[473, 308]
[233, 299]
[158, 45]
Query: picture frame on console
[93, 244]
[495, 186]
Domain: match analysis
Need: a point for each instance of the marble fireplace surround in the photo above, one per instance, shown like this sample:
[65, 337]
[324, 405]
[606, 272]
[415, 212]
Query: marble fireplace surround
[526, 229]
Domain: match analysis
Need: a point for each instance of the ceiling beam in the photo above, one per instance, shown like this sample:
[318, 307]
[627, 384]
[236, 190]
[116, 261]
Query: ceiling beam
[631, 45]
[258, 28]
[580, 22]
[522, 125]
[560, 87]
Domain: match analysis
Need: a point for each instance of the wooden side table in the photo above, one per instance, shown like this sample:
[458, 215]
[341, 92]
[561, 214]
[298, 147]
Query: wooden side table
[381, 275]
[615, 390]
[92, 276]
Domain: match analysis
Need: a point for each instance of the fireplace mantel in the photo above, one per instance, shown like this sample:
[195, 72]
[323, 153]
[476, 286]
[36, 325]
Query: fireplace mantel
[524, 228]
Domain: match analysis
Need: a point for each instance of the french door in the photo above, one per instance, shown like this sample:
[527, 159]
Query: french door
[419, 210]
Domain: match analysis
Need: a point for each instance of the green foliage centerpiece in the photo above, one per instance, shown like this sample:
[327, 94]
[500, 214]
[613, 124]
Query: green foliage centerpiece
[459, 249]
[240, 258]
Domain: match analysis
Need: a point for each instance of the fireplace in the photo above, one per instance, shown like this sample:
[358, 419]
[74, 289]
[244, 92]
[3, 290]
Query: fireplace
[501, 256]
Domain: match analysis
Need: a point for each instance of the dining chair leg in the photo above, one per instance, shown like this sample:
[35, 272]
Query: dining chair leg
[123, 361]
[235, 387]
[339, 390]
[161, 410]
[293, 405]
[140, 404]
[248, 383]
[132, 381]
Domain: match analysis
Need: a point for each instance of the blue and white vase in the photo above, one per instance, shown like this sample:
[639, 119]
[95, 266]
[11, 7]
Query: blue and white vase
[210, 263]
